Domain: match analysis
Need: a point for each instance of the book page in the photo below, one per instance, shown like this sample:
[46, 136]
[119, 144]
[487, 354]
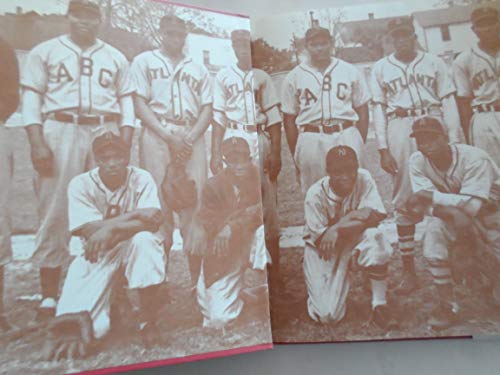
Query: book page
[128, 239]
[387, 195]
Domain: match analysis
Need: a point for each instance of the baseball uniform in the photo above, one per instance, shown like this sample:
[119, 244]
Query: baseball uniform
[327, 281]
[408, 91]
[327, 102]
[246, 104]
[176, 94]
[81, 92]
[476, 74]
[88, 286]
[471, 175]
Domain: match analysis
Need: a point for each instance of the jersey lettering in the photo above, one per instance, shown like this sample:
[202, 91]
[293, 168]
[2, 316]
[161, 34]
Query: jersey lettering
[307, 96]
[342, 91]
[481, 77]
[105, 78]
[63, 73]
[157, 73]
[192, 82]
[86, 65]
[327, 83]
[399, 84]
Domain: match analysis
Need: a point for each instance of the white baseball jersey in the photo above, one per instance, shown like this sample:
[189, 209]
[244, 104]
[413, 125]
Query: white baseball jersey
[245, 97]
[175, 93]
[319, 98]
[89, 81]
[477, 75]
[420, 84]
[323, 207]
[472, 173]
[89, 199]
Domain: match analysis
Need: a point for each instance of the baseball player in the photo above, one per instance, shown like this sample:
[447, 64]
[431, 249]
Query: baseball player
[342, 212]
[325, 104]
[476, 74]
[114, 211]
[9, 100]
[246, 105]
[75, 87]
[457, 186]
[227, 223]
[173, 99]
[406, 84]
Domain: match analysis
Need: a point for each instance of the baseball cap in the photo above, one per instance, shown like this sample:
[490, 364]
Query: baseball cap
[240, 36]
[427, 125]
[400, 24]
[173, 20]
[340, 157]
[317, 32]
[484, 13]
[235, 145]
[107, 141]
[89, 6]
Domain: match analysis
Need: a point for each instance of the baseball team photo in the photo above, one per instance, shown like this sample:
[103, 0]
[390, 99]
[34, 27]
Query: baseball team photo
[131, 216]
[388, 187]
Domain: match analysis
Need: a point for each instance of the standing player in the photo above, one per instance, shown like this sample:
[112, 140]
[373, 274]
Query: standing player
[407, 84]
[325, 104]
[75, 87]
[457, 185]
[342, 212]
[476, 74]
[114, 210]
[246, 105]
[173, 99]
[9, 100]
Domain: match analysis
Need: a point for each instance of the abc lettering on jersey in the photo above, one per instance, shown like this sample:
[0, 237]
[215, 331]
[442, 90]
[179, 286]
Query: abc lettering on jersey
[172, 93]
[477, 76]
[420, 84]
[89, 81]
[318, 98]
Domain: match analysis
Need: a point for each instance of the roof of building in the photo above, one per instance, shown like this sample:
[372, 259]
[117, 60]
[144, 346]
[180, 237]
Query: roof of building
[447, 16]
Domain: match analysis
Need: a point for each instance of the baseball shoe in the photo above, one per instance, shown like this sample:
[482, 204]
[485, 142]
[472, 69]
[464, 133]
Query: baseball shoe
[442, 317]
[407, 285]
[382, 317]
[46, 310]
[4, 324]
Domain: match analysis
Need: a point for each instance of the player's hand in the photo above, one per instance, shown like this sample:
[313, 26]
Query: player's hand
[97, 244]
[274, 165]
[180, 148]
[387, 162]
[42, 159]
[221, 243]
[216, 164]
[152, 217]
[328, 242]
[362, 214]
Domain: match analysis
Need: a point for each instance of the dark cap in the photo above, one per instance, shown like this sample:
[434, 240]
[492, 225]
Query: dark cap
[317, 32]
[90, 6]
[341, 156]
[400, 24]
[485, 13]
[173, 20]
[107, 141]
[427, 124]
[235, 145]
[240, 36]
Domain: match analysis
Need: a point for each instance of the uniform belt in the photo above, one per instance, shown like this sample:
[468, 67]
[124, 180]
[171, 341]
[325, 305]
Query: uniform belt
[246, 128]
[166, 121]
[480, 108]
[327, 129]
[408, 112]
[83, 119]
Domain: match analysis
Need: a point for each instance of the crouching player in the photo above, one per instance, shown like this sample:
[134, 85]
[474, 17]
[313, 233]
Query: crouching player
[457, 186]
[224, 233]
[342, 212]
[115, 211]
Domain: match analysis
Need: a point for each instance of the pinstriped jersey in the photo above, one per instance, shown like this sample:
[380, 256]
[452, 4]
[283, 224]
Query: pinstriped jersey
[89, 81]
[420, 84]
[317, 98]
[175, 93]
[477, 75]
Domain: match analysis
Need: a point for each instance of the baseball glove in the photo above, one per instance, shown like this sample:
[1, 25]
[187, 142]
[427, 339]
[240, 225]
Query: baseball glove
[178, 190]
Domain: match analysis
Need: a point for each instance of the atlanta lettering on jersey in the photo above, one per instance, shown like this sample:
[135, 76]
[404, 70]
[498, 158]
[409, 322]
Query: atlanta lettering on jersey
[160, 73]
[401, 83]
[483, 76]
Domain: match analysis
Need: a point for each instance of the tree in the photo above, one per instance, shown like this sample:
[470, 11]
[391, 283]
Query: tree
[270, 59]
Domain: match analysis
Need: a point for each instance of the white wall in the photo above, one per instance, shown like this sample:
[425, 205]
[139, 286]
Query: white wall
[221, 52]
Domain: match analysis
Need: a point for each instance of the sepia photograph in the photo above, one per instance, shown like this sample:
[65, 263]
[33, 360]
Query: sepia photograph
[388, 191]
[131, 217]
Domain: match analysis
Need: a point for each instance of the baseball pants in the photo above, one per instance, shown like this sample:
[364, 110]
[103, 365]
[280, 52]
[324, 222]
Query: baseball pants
[71, 145]
[88, 286]
[327, 281]
[484, 133]
[6, 171]
[311, 150]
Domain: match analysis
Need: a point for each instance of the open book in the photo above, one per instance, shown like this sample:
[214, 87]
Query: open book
[189, 183]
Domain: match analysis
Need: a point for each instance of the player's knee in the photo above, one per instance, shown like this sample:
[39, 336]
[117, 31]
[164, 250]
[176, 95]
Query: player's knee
[436, 239]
